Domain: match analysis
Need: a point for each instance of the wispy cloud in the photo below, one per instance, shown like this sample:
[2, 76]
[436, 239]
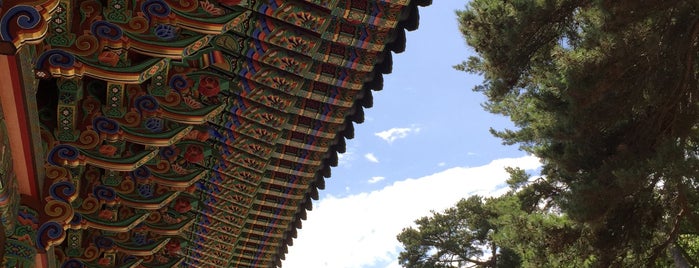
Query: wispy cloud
[371, 158]
[364, 226]
[376, 179]
[396, 133]
[345, 159]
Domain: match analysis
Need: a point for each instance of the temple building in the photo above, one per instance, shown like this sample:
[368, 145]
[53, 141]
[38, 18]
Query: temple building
[179, 133]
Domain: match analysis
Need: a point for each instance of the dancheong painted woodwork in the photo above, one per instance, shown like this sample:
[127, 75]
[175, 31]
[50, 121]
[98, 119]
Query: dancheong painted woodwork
[179, 133]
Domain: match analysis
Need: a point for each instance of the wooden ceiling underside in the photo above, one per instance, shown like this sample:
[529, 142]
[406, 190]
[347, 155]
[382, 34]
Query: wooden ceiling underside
[195, 133]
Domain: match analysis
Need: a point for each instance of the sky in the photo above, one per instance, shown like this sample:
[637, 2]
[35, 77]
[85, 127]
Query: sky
[423, 146]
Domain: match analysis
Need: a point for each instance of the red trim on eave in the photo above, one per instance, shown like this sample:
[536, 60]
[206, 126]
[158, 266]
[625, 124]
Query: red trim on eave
[20, 113]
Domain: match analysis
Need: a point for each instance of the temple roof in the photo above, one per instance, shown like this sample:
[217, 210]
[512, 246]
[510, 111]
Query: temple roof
[195, 133]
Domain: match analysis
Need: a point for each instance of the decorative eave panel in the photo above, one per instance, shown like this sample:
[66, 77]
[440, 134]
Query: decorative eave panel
[190, 133]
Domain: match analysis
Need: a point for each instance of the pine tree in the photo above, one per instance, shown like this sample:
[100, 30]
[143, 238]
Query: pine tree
[605, 93]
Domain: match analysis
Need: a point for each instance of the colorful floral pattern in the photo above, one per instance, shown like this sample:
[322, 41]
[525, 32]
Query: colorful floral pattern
[182, 205]
[211, 8]
[104, 261]
[271, 83]
[108, 58]
[106, 214]
[209, 86]
[173, 247]
[194, 154]
[107, 150]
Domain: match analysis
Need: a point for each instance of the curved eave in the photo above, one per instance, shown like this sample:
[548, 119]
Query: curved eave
[173, 230]
[139, 202]
[172, 263]
[119, 227]
[182, 181]
[166, 138]
[409, 21]
[119, 164]
[194, 117]
[146, 250]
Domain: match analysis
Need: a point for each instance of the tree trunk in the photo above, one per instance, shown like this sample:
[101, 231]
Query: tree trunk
[494, 261]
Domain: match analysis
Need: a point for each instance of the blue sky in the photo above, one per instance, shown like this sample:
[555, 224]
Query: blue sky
[424, 145]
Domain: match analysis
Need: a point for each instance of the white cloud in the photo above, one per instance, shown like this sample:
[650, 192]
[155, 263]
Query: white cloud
[346, 159]
[360, 230]
[441, 164]
[342, 159]
[371, 157]
[376, 179]
[396, 133]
